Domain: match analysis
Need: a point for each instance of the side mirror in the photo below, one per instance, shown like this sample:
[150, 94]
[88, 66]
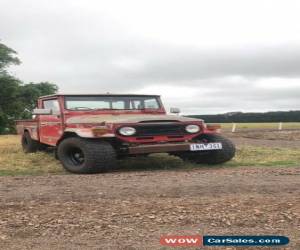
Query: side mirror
[174, 110]
[42, 112]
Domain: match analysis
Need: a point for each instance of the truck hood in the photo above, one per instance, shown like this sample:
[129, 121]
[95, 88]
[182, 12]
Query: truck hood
[128, 118]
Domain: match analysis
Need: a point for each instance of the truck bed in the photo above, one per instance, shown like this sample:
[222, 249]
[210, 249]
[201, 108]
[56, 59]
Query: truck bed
[30, 125]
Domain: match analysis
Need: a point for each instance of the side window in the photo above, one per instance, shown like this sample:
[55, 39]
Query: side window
[52, 104]
[118, 105]
[136, 104]
[151, 104]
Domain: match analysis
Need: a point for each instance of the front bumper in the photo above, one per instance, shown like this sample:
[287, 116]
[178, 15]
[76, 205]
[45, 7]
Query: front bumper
[159, 148]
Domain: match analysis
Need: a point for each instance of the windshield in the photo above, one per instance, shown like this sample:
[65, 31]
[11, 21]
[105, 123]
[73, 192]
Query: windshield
[111, 102]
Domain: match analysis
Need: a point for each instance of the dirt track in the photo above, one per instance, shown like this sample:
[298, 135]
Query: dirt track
[119, 210]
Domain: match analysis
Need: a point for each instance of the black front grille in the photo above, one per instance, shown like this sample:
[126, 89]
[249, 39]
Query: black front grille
[160, 129]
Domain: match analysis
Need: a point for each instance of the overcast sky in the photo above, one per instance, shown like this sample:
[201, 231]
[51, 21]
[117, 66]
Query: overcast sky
[201, 56]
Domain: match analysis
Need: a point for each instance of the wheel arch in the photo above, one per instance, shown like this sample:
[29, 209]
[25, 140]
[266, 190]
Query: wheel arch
[32, 134]
[67, 134]
[26, 130]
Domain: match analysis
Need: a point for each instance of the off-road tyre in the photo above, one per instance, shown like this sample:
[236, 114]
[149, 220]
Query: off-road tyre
[210, 157]
[86, 156]
[28, 144]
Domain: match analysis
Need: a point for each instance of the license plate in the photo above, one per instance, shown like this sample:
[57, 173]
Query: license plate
[206, 146]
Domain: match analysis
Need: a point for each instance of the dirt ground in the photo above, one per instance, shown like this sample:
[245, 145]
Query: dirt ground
[130, 210]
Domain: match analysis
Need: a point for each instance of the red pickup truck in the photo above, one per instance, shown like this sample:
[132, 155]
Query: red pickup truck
[90, 132]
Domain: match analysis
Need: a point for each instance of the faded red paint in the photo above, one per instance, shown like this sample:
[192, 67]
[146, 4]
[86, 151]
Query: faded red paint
[49, 129]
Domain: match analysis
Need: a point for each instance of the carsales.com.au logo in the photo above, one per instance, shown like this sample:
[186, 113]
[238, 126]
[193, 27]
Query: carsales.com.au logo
[213, 240]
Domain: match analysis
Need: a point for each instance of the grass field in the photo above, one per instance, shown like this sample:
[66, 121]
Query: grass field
[269, 125]
[14, 162]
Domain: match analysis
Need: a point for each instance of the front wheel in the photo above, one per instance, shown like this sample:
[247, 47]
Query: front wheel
[210, 157]
[83, 156]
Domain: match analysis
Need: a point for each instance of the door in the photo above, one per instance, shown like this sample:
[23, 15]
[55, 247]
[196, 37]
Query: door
[51, 125]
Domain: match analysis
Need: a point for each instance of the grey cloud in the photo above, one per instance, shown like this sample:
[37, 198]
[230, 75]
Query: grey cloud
[246, 97]
[90, 52]
[181, 63]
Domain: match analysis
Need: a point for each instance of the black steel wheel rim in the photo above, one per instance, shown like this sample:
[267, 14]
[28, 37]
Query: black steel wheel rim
[76, 156]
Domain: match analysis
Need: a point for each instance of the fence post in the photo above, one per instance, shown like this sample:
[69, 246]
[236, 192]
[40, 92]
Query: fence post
[280, 126]
[233, 127]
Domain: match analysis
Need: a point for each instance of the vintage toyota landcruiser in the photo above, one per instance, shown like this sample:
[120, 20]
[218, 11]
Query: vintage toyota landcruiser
[91, 132]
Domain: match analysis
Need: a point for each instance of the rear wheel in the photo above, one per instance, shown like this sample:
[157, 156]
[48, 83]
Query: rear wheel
[85, 156]
[28, 144]
[210, 157]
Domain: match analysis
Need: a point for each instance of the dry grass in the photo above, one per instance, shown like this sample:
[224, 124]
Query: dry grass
[14, 162]
[285, 135]
[266, 156]
[264, 125]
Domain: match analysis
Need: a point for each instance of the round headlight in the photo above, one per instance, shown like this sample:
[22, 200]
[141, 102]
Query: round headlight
[192, 128]
[127, 131]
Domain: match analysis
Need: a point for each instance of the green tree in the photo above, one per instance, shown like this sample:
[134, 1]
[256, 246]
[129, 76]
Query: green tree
[8, 88]
[16, 98]
[9, 105]
[7, 58]
[29, 93]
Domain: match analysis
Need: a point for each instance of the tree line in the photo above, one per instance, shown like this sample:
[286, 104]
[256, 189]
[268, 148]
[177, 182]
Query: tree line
[17, 99]
[240, 117]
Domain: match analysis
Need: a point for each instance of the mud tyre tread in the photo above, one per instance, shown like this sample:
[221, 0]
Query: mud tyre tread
[99, 156]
